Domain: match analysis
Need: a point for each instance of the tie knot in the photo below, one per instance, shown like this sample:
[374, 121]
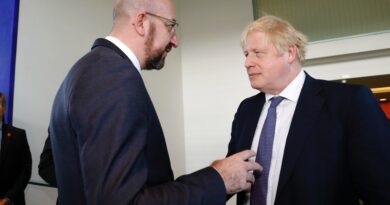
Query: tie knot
[275, 101]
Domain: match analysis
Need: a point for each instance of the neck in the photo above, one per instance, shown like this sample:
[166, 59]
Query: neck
[133, 44]
[292, 75]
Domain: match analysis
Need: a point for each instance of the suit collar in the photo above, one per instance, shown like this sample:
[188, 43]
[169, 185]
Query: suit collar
[309, 105]
[293, 89]
[255, 106]
[123, 47]
[106, 43]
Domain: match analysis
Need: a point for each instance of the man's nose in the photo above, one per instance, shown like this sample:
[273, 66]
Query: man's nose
[175, 40]
[248, 62]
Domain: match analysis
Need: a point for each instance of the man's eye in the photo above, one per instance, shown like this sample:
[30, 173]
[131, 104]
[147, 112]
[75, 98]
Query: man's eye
[258, 53]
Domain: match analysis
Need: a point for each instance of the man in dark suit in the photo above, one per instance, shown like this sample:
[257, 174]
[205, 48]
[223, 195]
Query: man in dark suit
[324, 143]
[15, 161]
[107, 142]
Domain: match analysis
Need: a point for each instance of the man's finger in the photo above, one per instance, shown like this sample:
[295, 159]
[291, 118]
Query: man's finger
[253, 166]
[247, 186]
[246, 154]
[250, 178]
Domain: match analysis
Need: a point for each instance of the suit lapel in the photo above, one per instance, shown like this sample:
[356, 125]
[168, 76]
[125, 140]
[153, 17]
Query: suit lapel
[249, 121]
[306, 113]
[252, 117]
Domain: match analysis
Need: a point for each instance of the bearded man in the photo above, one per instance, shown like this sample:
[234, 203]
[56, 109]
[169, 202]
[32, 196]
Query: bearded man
[107, 141]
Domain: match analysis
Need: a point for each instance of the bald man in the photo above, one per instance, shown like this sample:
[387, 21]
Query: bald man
[108, 144]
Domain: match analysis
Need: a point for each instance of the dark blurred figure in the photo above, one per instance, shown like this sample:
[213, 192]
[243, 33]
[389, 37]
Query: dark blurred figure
[15, 161]
[46, 164]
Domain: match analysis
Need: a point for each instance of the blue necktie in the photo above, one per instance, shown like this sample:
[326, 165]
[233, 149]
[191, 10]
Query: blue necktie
[264, 154]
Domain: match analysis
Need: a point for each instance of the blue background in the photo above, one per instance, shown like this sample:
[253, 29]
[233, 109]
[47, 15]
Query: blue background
[9, 10]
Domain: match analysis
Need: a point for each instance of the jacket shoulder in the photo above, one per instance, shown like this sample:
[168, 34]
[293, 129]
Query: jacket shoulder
[252, 99]
[11, 128]
[341, 87]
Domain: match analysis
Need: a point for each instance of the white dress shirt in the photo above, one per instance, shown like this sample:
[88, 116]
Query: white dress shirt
[284, 115]
[129, 53]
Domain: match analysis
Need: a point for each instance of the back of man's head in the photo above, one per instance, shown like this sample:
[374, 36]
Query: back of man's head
[126, 8]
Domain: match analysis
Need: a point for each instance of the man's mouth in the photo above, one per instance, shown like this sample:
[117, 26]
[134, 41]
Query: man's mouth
[168, 48]
[253, 74]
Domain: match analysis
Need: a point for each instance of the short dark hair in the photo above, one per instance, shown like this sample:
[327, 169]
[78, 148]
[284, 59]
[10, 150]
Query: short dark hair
[3, 103]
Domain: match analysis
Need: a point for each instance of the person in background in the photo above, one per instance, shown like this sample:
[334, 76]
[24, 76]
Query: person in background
[107, 141]
[319, 142]
[15, 161]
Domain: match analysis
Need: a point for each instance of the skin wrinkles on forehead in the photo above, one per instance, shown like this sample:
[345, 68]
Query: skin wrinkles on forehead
[263, 45]
[264, 40]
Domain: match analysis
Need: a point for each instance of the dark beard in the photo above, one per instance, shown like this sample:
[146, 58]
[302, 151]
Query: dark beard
[154, 60]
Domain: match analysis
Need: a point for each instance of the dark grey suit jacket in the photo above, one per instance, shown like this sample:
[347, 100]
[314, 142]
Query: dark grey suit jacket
[108, 144]
[337, 148]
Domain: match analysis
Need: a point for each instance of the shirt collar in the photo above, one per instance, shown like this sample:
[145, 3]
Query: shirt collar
[293, 90]
[129, 53]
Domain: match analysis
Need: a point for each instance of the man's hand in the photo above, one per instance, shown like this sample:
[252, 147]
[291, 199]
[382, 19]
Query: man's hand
[5, 201]
[236, 171]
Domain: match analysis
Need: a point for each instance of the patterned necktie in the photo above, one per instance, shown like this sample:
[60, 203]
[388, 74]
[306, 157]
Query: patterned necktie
[264, 154]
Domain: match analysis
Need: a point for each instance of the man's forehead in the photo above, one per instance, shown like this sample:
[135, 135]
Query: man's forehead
[168, 7]
[256, 38]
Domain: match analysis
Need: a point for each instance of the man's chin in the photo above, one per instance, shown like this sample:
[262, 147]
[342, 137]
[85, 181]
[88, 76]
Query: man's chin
[156, 65]
[256, 86]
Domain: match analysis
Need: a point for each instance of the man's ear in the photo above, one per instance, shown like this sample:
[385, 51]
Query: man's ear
[292, 53]
[139, 23]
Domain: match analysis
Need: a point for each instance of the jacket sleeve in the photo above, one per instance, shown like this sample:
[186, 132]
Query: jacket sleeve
[368, 148]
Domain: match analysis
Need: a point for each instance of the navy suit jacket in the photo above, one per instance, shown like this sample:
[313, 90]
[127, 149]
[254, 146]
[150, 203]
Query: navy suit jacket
[15, 164]
[107, 142]
[337, 148]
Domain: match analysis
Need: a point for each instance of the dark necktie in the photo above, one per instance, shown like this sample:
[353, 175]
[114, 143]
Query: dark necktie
[264, 154]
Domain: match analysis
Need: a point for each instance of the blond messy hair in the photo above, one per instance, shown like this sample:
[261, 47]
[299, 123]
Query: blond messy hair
[280, 33]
